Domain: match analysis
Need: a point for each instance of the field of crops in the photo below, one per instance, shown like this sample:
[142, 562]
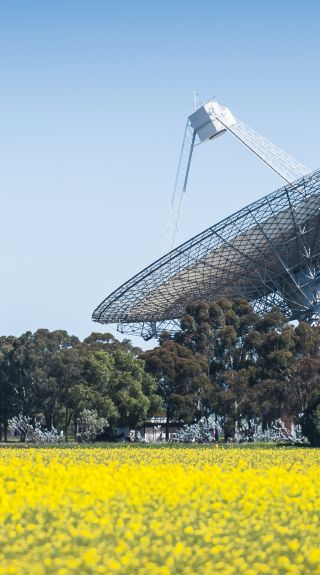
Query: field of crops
[160, 511]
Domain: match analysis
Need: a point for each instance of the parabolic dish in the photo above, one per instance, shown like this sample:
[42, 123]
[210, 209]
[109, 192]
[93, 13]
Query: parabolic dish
[268, 253]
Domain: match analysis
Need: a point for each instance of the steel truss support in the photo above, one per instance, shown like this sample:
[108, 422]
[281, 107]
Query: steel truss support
[179, 189]
[279, 161]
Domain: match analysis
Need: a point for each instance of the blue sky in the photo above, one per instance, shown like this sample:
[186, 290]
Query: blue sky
[94, 97]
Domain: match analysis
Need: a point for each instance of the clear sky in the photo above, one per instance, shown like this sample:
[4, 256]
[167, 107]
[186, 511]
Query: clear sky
[93, 100]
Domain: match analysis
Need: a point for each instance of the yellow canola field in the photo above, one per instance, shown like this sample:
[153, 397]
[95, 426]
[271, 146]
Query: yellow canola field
[163, 511]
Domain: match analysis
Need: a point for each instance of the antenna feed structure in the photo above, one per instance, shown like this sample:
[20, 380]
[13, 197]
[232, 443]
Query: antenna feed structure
[205, 121]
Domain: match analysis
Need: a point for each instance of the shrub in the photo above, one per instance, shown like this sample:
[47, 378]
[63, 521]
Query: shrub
[33, 431]
[89, 425]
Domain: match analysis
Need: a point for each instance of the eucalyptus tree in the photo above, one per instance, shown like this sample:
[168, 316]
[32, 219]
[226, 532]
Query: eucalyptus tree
[182, 380]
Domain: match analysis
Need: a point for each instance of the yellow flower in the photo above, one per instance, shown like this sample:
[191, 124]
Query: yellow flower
[166, 511]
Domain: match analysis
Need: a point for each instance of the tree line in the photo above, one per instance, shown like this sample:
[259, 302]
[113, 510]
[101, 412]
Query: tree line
[245, 368]
[55, 376]
[225, 359]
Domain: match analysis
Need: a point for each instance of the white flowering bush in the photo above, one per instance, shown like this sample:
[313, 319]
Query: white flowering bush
[89, 425]
[210, 429]
[204, 431]
[33, 432]
[278, 432]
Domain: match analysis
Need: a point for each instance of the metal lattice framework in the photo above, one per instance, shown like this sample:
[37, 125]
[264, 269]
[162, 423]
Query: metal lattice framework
[206, 123]
[268, 253]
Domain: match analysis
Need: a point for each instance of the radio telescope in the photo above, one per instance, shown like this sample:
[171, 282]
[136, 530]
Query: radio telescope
[268, 252]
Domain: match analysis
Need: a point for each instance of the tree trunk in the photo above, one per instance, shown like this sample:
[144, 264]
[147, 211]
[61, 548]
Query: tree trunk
[49, 419]
[75, 427]
[67, 420]
[5, 430]
[167, 426]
